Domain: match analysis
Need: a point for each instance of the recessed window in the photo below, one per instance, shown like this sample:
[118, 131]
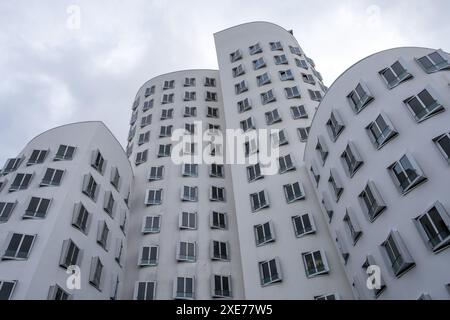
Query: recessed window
[37, 208]
[165, 131]
[251, 147]
[381, 131]
[189, 193]
[371, 201]
[149, 256]
[218, 220]
[315, 95]
[434, 227]
[152, 224]
[360, 97]
[166, 114]
[216, 170]
[424, 105]
[292, 93]
[286, 75]
[279, 138]
[264, 233]
[247, 124]
[6, 289]
[327, 206]
[169, 84]
[443, 144]
[270, 271]
[190, 128]
[190, 170]
[188, 220]
[146, 120]
[244, 105]
[342, 247]
[189, 82]
[255, 49]
[115, 178]
[406, 174]
[272, 117]
[123, 220]
[322, 149]
[351, 159]
[149, 91]
[303, 133]
[238, 71]
[259, 63]
[335, 125]
[254, 172]
[396, 254]
[281, 59]
[189, 148]
[395, 74]
[131, 133]
[184, 288]
[19, 246]
[299, 112]
[21, 182]
[221, 286]
[315, 263]
[164, 150]
[219, 251]
[210, 82]
[103, 235]
[156, 173]
[315, 173]
[435, 61]
[95, 276]
[212, 112]
[145, 290]
[147, 105]
[267, 97]
[236, 55]
[136, 103]
[295, 50]
[6, 208]
[52, 177]
[153, 197]
[308, 78]
[241, 87]
[190, 112]
[217, 194]
[274, 46]
[55, 292]
[285, 164]
[144, 138]
[70, 254]
[189, 96]
[259, 200]
[301, 63]
[211, 96]
[186, 251]
[167, 98]
[141, 157]
[81, 218]
[353, 228]
[64, 153]
[303, 225]
[263, 79]
[109, 204]
[294, 192]
[37, 156]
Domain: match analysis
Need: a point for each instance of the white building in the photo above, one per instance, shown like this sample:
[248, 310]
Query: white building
[379, 151]
[227, 231]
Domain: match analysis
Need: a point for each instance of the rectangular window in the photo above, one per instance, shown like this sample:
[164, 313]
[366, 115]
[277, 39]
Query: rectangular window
[270, 271]
[322, 149]
[397, 254]
[115, 178]
[281, 59]
[166, 114]
[303, 225]
[308, 78]
[435, 61]
[149, 256]
[264, 233]
[152, 224]
[21, 182]
[395, 74]
[186, 251]
[236, 55]
[241, 87]
[52, 177]
[247, 124]
[255, 49]
[360, 97]
[286, 75]
[353, 228]
[6, 289]
[19, 246]
[294, 192]
[184, 288]
[371, 201]
[443, 143]
[156, 173]
[292, 93]
[189, 96]
[153, 197]
[141, 157]
[315, 95]
[259, 200]
[98, 162]
[381, 131]
[267, 97]
[326, 297]
[218, 220]
[149, 91]
[211, 96]
[275, 46]
[188, 220]
[109, 204]
[279, 138]
[221, 286]
[55, 292]
[335, 125]
[145, 290]
[259, 63]
[351, 159]
[11, 165]
[190, 128]
[342, 247]
[189, 82]
[210, 82]
[212, 112]
[6, 208]
[190, 112]
[219, 251]
[406, 174]
[295, 50]
[81, 218]
[164, 150]
[64, 153]
[165, 131]
[95, 276]
[272, 117]
[144, 138]
[327, 206]
[434, 227]
[315, 263]
[315, 173]
[37, 156]
[146, 120]
[190, 170]
[189, 194]
[167, 98]
[37, 208]
[216, 170]
[263, 79]
[299, 112]
[423, 105]
[131, 133]
[217, 194]
[301, 64]
[103, 235]
[254, 172]
[251, 147]
[169, 84]
[238, 71]
[70, 254]
[148, 105]
[303, 133]
[285, 164]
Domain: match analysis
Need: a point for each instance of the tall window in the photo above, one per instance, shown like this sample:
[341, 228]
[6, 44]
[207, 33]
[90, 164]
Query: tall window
[156, 173]
[351, 159]
[396, 254]
[360, 97]
[222, 286]
[103, 235]
[146, 120]
[217, 194]
[335, 125]
[218, 220]
[279, 138]
[406, 173]
[352, 225]
[216, 170]
[434, 227]
[371, 201]
[264, 233]
[395, 74]
[315, 263]
[81, 218]
[285, 164]
[322, 149]
[141, 157]
[95, 276]
[6, 289]
[164, 150]
[303, 133]
[70, 254]
[424, 105]
[443, 143]
[219, 250]
[115, 178]
[144, 138]
[270, 271]
[189, 194]
[6, 208]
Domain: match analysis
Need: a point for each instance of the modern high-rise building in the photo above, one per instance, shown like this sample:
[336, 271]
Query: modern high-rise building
[360, 181]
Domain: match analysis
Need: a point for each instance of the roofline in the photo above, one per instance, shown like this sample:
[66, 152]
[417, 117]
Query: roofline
[252, 22]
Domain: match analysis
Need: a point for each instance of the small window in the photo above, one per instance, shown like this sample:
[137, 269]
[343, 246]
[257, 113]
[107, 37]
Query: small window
[164, 150]
[327, 206]
[263, 79]
[148, 105]
[190, 128]
[70, 254]
[153, 197]
[371, 201]
[95, 276]
[325, 297]
[267, 97]
[152, 224]
[286, 75]
[247, 124]
[217, 194]
[212, 112]
[295, 50]
[21, 182]
[264, 233]
[149, 91]
[281, 59]
[322, 149]
[285, 164]
[6, 209]
[351, 159]
[6, 289]
[303, 133]
[270, 271]
[188, 220]
[81, 218]
[443, 143]
[276, 46]
[292, 93]
[335, 125]
[219, 251]
[218, 220]
[190, 170]
[406, 174]
[342, 247]
[109, 203]
[238, 71]
[115, 178]
[166, 114]
[235, 56]
[167, 98]
[189, 96]
[146, 120]
[259, 200]
[396, 254]
[103, 235]
[381, 131]
[123, 219]
[190, 112]
[12, 165]
[315, 263]
[210, 82]
[434, 227]
[118, 251]
[315, 95]
[299, 112]
[52, 177]
[294, 192]
[186, 251]
[149, 256]
[37, 208]
[303, 225]
[272, 117]
[259, 63]
[360, 97]
[315, 172]
[64, 153]
[423, 105]
[308, 78]
[131, 133]
[221, 286]
[55, 292]
[244, 105]
[255, 49]
[301, 63]
[156, 173]
[184, 288]
[241, 87]
[19, 246]
[37, 156]
[189, 82]
[145, 290]
[144, 138]
[254, 172]
[353, 228]
[141, 157]
[211, 96]
[395, 74]
[169, 84]
[251, 147]
[189, 194]
[216, 170]
[279, 138]
[435, 61]
[165, 131]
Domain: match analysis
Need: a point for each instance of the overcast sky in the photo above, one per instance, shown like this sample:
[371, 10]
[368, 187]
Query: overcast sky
[53, 73]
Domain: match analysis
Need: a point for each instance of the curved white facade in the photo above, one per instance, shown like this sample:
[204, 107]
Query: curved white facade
[405, 196]
[33, 236]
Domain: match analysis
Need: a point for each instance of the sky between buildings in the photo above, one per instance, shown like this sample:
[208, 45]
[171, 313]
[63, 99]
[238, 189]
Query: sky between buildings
[55, 71]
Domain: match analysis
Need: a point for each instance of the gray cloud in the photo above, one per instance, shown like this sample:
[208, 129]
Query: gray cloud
[53, 75]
